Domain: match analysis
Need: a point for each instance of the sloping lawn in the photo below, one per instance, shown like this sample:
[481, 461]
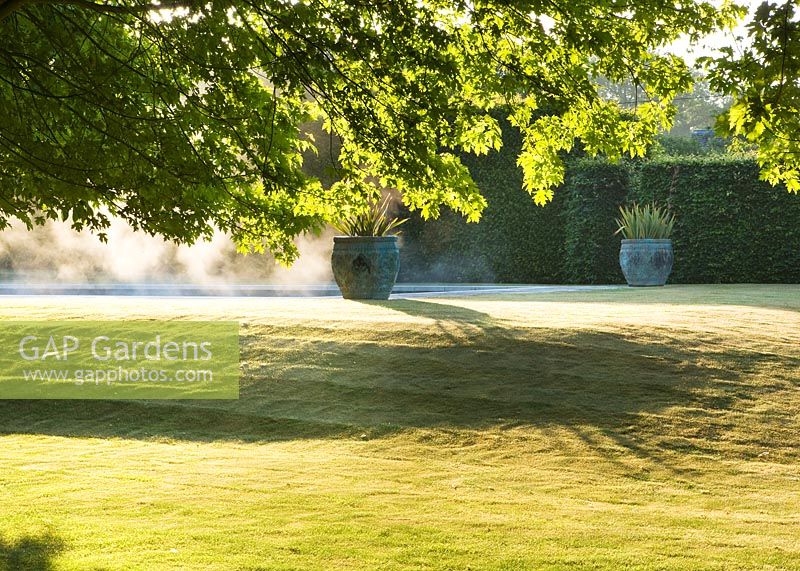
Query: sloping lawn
[618, 429]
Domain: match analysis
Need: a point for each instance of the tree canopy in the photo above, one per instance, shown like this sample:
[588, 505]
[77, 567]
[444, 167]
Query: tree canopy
[764, 81]
[181, 116]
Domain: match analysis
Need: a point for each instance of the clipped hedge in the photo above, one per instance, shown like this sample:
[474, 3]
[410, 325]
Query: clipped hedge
[593, 192]
[515, 241]
[730, 227]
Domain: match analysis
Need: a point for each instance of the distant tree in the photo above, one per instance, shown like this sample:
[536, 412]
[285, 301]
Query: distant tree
[697, 108]
[180, 116]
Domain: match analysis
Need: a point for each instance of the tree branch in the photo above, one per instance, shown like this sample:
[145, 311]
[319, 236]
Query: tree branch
[8, 7]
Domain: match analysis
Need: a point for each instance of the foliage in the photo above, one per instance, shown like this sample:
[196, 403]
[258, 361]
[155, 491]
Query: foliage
[637, 222]
[373, 220]
[764, 80]
[182, 116]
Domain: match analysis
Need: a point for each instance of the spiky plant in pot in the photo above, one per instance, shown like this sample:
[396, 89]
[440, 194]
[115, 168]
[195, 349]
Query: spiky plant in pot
[645, 255]
[366, 259]
[374, 221]
[645, 222]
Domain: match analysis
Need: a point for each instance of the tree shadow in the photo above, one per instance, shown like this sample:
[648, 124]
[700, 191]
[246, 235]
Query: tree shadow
[30, 553]
[458, 369]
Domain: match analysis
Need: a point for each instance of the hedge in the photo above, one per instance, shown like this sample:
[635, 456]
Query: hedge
[515, 241]
[730, 227]
[593, 192]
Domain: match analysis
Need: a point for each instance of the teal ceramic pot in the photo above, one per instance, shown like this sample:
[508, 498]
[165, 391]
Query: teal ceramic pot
[365, 267]
[646, 262]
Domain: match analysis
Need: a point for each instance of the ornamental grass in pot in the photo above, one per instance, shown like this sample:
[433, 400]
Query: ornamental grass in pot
[645, 255]
[366, 258]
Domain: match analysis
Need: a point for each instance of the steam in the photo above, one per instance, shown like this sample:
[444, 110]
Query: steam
[56, 252]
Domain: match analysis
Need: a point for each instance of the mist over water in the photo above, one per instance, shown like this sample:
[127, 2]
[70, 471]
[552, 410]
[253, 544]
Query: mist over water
[55, 253]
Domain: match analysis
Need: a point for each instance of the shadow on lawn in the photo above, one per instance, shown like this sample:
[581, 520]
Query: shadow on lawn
[31, 553]
[461, 370]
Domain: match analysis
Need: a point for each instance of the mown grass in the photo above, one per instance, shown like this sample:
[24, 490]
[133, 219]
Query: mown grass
[619, 429]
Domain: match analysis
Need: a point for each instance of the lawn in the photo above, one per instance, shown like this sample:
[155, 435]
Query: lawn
[618, 429]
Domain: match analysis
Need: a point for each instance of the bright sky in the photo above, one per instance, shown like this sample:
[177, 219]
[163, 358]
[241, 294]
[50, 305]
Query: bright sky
[710, 45]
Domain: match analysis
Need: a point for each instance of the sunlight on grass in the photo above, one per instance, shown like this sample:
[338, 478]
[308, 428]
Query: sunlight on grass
[636, 429]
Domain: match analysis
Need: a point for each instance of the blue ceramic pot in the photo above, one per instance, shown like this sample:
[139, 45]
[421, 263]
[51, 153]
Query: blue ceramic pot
[646, 262]
[365, 267]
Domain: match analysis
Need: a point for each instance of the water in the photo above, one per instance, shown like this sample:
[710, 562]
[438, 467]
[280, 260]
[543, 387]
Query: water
[266, 290]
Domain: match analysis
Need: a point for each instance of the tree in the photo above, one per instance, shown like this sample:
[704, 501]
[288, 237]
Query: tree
[696, 109]
[764, 81]
[180, 116]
